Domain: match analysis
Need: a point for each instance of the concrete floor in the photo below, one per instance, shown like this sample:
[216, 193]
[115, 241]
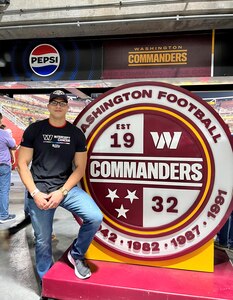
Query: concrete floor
[17, 268]
[18, 278]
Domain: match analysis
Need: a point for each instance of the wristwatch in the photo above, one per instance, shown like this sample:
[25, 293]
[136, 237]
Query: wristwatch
[64, 191]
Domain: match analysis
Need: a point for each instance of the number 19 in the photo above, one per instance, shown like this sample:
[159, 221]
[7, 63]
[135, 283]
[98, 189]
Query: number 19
[128, 140]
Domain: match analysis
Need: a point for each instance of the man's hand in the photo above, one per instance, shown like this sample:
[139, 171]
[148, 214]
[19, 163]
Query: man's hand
[54, 200]
[41, 200]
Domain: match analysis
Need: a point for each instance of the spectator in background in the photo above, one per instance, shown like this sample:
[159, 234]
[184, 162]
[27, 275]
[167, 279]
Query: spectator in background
[230, 237]
[7, 143]
[224, 240]
[12, 151]
[30, 120]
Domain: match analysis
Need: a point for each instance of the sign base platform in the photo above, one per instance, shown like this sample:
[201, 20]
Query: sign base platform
[201, 259]
[111, 280]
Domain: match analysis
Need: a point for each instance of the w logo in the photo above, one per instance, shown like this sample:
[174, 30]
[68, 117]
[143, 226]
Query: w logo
[165, 138]
[47, 137]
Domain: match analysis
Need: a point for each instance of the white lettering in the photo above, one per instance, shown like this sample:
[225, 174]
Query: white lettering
[165, 138]
[189, 171]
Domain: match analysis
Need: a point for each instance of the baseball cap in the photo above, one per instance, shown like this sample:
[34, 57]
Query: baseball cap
[58, 95]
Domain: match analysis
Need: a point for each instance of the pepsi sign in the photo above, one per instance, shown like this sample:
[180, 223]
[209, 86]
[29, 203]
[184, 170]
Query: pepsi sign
[44, 60]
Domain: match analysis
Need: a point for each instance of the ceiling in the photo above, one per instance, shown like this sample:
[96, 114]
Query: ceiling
[19, 20]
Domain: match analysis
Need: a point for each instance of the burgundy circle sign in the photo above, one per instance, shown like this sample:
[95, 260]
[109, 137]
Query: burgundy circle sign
[160, 169]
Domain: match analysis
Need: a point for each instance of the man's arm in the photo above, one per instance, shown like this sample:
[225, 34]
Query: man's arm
[80, 162]
[11, 143]
[12, 153]
[24, 158]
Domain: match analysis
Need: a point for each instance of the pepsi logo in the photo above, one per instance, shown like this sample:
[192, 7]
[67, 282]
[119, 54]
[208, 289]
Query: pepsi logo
[44, 60]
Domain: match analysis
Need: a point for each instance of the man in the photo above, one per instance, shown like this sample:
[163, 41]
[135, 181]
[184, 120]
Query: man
[224, 240]
[7, 144]
[57, 152]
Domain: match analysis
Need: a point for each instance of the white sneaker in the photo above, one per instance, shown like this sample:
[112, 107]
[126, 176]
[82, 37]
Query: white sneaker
[81, 267]
[8, 219]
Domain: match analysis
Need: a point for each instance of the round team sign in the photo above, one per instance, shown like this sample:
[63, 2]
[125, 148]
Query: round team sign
[160, 169]
[44, 60]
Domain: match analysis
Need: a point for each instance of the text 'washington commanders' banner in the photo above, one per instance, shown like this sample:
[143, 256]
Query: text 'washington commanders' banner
[160, 169]
[158, 57]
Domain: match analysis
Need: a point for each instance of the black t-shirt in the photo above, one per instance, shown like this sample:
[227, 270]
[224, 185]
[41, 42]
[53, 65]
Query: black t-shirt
[54, 150]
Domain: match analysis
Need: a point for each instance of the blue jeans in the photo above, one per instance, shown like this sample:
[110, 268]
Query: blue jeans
[230, 238]
[80, 204]
[5, 183]
[225, 235]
